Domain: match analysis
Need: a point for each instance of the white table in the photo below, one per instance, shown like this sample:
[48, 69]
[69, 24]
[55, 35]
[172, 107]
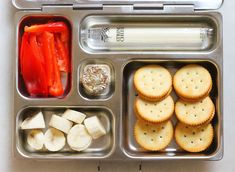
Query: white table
[9, 163]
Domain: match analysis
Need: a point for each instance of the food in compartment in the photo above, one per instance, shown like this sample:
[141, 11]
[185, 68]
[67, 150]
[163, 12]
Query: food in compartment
[195, 113]
[74, 116]
[154, 112]
[35, 139]
[54, 140]
[153, 82]
[194, 109]
[36, 121]
[96, 79]
[60, 123]
[121, 37]
[194, 139]
[192, 82]
[78, 138]
[44, 55]
[153, 137]
[94, 127]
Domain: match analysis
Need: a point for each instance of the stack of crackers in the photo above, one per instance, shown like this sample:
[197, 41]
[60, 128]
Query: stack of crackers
[154, 108]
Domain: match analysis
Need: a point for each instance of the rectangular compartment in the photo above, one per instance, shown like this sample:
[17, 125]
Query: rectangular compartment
[129, 145]
[41, 19]
[122, 33]
[100, 148]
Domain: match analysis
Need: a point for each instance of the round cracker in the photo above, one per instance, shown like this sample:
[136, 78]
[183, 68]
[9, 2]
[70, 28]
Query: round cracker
[152, 82]
[154, 112]
[192, 82]
[153, 137]
[194, 113]
[153, 100]
[194, 139]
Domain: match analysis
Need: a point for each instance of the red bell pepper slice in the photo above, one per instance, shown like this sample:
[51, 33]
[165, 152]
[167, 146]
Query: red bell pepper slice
[56, 89]
[24, 41]
[36, 48]
[33, 72]
[62, 55]
[54, 27]
[47, 38]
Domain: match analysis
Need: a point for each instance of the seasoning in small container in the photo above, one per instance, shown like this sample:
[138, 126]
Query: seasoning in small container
[95, 79]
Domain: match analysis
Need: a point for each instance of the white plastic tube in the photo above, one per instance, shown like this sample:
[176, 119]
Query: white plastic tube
[148, 38]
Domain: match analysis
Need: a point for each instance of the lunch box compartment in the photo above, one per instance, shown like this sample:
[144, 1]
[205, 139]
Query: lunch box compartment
[100, 148]
[173, 151]
[109, 33]
[110, 88]
[41, 19]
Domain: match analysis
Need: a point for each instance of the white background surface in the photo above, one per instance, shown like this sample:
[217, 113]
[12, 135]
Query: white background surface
[9, 164]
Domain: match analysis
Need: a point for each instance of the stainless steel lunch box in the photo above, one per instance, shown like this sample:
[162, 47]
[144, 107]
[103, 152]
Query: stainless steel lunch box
[116, 107]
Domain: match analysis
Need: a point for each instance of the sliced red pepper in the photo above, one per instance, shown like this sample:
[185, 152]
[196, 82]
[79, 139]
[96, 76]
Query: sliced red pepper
[24, 41]
[47, 38]
[36, 48]
[33, 72]
[57, 88]
[55, 27]
[62, 55]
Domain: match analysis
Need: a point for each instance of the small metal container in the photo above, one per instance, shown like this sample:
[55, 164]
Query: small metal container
[115, 108]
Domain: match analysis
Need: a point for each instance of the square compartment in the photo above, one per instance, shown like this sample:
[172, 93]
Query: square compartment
[111, 87]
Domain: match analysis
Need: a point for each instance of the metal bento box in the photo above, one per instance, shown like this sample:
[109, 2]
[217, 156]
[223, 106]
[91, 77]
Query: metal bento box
[114, 107]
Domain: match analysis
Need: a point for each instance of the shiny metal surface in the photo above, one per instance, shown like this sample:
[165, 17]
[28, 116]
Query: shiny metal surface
[119, 99]
[198, 4]
[173, 151]
[149, 21]
[100, 148]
